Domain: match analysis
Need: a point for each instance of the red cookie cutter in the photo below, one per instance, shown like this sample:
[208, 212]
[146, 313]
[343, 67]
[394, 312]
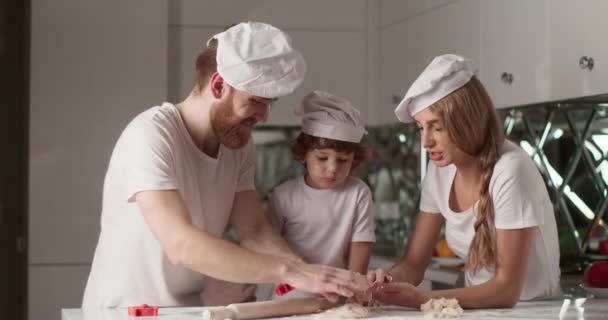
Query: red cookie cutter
[143, 311]
[282, 289]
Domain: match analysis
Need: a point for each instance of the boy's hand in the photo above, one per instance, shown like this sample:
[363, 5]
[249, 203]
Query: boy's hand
[378, 277]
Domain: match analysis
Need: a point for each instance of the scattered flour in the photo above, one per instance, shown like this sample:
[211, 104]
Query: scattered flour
[347, 311]
[441, 309]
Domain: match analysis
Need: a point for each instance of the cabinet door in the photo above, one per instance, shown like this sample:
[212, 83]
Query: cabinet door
[409, 46]
[578, 29]
[335, 63]
[514, 51]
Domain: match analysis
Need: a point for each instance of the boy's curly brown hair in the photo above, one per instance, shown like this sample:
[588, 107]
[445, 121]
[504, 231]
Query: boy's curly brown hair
[305, 142]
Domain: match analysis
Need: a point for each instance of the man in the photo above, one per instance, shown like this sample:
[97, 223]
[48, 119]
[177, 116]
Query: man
[179, 174]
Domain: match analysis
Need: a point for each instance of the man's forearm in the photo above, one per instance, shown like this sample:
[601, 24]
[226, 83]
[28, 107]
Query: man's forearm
[222, 259]
[267, 240]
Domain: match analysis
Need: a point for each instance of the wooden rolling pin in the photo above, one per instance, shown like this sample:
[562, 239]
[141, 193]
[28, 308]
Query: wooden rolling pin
[267, 309]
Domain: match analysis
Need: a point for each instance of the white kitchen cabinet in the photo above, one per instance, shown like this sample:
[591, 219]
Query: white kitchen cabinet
[396, 11]
[409, 46]
[578, 29]
[335, 63]
[514, 65]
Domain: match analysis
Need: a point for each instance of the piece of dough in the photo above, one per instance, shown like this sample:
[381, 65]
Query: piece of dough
[441, 309]
[347, 311]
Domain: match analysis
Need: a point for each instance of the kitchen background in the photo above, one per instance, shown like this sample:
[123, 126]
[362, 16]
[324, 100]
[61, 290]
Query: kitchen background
[80, 70]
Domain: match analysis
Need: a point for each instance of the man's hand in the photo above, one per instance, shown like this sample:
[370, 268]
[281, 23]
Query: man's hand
[328, 281]
[399, 293]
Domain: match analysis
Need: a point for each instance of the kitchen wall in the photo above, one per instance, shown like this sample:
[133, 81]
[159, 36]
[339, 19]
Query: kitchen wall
[94, 65]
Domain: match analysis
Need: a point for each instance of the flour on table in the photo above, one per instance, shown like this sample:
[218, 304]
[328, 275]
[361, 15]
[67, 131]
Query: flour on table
[347, 311]
[441, 309]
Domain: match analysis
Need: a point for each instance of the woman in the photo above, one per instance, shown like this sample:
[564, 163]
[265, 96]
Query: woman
[498, 215]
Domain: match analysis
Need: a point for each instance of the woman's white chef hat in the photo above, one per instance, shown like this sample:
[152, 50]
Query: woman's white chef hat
[325, 115]
[441, 77]
[259, 59]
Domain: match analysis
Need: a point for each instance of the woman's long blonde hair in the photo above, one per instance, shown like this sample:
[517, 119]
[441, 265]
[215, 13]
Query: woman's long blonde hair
[472, 123]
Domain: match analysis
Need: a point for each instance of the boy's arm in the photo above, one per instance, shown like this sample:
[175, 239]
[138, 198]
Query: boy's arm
[358, 256]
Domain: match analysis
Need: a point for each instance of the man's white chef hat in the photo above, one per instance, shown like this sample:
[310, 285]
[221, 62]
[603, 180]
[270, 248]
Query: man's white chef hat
[325, 115]
[259, 59]
[441, 77]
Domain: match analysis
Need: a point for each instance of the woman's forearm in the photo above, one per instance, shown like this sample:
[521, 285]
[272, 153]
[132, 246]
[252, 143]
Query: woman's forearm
[406, 272]
[491, 294]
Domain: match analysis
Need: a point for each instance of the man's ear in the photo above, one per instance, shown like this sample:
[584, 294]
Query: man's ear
[216, 85]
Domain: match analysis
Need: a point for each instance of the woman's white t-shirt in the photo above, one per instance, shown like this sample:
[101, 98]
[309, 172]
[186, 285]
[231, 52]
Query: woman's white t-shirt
[520, 200]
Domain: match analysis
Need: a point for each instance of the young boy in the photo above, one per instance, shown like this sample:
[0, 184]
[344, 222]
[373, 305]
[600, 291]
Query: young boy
[326, 215]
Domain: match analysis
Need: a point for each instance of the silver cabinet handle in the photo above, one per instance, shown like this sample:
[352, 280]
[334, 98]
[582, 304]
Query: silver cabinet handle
[586, 63]
[507, 77]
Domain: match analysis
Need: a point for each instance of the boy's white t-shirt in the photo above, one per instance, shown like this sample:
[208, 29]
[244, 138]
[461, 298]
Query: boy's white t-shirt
[156, 152]
[320, 224]
[520, 200]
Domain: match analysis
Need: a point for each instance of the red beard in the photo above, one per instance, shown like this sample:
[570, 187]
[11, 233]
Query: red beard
[229, 129]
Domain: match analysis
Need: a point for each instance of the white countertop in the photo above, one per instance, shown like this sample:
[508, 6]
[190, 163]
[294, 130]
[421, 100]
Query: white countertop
[581, 308]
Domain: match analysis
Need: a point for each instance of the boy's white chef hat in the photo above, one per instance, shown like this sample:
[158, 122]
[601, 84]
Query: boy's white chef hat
[259, 59]
[325, 115]
[441, 77]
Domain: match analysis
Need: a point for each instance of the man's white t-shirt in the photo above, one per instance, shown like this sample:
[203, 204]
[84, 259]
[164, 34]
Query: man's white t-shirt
[520, 200]
[320, 224]
[156, 152]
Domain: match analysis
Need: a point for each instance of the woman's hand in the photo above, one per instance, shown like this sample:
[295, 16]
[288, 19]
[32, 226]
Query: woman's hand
[399, 293]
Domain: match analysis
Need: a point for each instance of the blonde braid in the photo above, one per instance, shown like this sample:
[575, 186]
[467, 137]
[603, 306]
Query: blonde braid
[482, 250]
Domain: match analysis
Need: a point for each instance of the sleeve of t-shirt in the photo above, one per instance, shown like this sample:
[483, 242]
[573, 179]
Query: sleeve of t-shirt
[517, 196]
[364, 225]
[429, 191]
[145, 157]
[247, 170]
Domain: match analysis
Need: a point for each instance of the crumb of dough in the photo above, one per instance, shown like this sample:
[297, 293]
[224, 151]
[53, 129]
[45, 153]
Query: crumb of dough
[347, 311]
[441, 309]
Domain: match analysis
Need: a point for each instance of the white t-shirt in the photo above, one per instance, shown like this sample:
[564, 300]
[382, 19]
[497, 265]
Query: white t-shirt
[520, 201]
[156, 152]
[320, 224]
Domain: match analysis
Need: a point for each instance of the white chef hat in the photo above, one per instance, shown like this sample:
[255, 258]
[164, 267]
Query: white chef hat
[325, 115]
[441, 77]
[259, 59]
